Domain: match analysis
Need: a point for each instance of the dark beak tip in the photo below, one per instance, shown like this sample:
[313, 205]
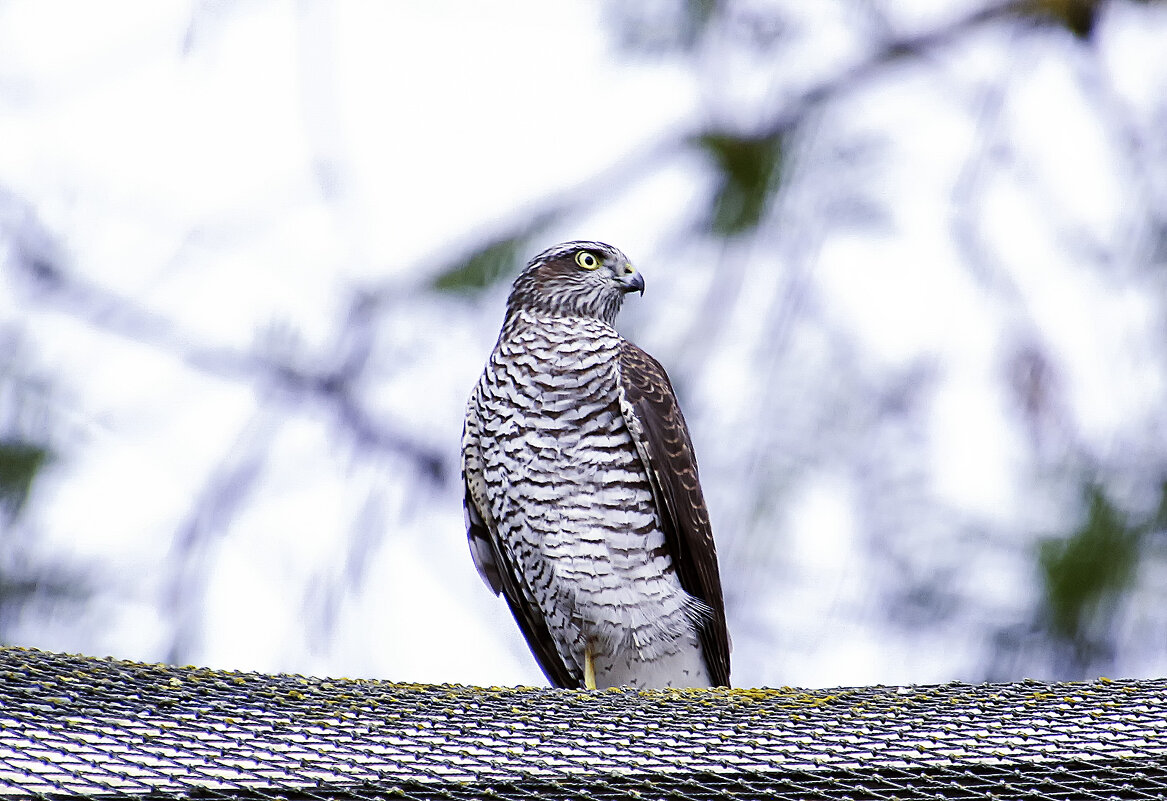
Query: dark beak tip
[634, 283]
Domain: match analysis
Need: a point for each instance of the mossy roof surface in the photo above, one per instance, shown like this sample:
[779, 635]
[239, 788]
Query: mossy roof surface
[73, 726]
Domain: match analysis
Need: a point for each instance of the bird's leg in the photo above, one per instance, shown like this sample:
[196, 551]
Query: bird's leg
[589, 667]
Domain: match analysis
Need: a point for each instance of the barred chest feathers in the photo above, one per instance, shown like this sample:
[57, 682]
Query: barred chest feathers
[576, 511]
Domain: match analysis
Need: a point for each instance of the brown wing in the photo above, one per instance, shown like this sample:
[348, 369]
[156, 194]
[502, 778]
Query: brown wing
[662, 438]
[499, 572]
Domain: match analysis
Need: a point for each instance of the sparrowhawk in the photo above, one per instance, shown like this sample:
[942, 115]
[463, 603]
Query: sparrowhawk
[583, 506]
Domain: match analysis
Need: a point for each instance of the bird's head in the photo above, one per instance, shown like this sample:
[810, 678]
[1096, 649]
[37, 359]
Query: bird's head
[576, 279]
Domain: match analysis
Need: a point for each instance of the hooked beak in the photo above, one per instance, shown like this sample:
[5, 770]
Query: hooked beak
[632, 281]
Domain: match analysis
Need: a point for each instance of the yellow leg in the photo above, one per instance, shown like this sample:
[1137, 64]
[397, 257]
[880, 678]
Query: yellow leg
[589, 668]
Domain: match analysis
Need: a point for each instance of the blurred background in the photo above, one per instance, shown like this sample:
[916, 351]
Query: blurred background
[906, 264]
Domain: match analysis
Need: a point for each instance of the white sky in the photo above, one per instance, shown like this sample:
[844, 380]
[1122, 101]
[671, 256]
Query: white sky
[187, 184]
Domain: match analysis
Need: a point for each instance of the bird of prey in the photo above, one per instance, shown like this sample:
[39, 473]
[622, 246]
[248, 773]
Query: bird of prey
[583, 506]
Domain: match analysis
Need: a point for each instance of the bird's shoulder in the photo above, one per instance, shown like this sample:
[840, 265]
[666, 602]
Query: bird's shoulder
[645, 381]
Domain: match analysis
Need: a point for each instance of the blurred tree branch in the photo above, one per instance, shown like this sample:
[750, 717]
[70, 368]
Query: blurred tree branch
[865, 420]
[28, 579]
[330, 382]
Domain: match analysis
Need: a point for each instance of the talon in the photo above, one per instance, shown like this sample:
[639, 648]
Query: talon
[589, 668]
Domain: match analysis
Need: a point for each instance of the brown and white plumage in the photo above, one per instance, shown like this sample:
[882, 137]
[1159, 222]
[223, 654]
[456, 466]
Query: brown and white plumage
[583, 504]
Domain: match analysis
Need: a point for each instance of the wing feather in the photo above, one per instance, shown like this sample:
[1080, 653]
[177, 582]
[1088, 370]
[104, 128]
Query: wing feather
[657, 426]
[498, 569]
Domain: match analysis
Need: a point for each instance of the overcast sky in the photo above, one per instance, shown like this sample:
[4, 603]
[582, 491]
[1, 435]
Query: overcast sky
[239, 169]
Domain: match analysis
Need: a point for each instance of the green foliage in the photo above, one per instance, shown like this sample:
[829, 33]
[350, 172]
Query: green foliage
[484, 267]
[1093, 565]
[29, 583]
[1077, 16]
[748, 170]
[20, 462]
[1159, 521]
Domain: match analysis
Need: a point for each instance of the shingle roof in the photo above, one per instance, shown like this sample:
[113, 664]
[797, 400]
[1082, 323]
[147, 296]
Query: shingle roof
[74, 726]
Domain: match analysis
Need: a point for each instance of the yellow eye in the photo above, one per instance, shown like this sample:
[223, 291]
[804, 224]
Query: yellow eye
[587, 260]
